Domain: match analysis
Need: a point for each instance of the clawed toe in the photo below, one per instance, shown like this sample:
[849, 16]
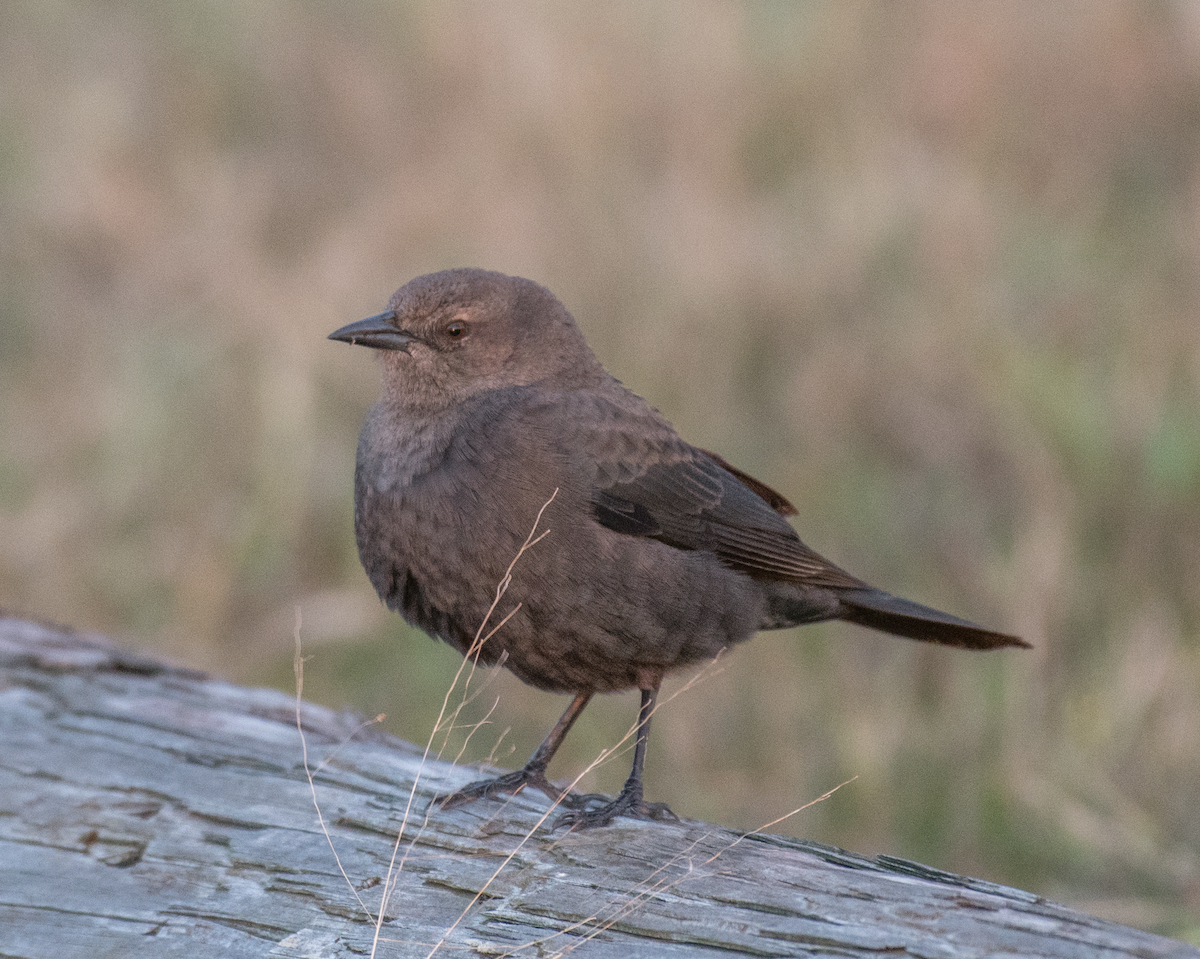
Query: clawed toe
[508, 783]
[631, 806]
[512, 783]
[582, 811]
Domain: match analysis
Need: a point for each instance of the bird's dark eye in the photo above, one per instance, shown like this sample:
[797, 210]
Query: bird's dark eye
[456, 330]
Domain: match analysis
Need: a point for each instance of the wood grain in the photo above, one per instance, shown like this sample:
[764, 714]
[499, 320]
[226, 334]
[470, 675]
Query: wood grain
[150, 810]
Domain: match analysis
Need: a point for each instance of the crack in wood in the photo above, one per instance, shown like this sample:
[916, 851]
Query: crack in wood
[144, 811]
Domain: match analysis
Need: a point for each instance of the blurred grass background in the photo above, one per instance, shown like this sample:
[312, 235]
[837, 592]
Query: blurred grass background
[930, 269]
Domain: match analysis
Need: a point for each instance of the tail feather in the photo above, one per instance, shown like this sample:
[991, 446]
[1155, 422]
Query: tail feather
[901, 617]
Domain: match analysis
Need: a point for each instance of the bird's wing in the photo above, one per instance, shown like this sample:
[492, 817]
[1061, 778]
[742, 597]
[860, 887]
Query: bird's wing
[776, 500]
[648, 482]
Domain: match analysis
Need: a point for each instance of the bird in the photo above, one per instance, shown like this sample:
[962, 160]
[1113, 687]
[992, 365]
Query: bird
[658, 554]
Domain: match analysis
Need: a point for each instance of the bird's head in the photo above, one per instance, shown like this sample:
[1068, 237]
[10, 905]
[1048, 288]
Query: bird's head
[451, 335]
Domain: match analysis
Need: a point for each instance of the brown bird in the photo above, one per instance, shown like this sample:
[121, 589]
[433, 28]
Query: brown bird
[659, 554]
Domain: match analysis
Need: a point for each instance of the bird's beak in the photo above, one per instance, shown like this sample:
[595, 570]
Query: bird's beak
[377, 332]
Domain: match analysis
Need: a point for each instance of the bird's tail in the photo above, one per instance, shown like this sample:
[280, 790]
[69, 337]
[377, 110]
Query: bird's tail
[901, 617]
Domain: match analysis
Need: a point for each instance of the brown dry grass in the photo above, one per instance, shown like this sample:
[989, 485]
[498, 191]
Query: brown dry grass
[931, 269]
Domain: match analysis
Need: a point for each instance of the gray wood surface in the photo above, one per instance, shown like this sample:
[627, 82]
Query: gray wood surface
[147, 810]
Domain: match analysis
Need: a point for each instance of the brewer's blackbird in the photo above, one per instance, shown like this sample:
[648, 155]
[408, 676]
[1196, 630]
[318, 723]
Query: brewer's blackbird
[659, 555]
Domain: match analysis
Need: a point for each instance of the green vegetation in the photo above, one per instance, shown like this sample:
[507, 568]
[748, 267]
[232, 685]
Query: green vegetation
[932, 270]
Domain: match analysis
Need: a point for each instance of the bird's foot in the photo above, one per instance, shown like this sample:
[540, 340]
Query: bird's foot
[629, 804]
[512, 782]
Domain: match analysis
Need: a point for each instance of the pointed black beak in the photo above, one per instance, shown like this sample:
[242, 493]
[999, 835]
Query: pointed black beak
[377, 332]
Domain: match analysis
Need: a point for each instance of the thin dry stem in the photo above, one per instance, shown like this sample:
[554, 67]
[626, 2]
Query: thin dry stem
[597, 923]
[474, 728]
[493, 756]
[354, 732]
[395, 868]
[604, 920]
[298, 669]
[604, 756]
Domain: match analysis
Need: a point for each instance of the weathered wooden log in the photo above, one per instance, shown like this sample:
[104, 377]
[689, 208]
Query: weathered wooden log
[149, 810]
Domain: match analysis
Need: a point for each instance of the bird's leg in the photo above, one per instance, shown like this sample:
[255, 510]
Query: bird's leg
[629, 802]
[533, 773]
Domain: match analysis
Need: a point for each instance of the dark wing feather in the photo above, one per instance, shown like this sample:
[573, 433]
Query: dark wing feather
[691, 499]
[777, 501]
[624, 516]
